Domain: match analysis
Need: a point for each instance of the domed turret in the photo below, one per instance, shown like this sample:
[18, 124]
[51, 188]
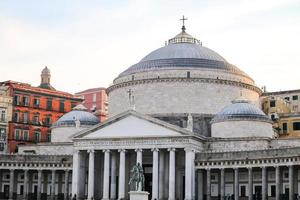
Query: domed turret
[72, 122]
[45, 79]
[241, 119]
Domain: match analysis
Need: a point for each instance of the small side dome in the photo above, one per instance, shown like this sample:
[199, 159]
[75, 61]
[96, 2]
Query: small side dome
[241, 119]
[79, 113]
[241, 109]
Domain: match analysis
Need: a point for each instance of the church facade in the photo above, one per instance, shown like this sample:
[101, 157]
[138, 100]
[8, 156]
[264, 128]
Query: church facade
[189, 117]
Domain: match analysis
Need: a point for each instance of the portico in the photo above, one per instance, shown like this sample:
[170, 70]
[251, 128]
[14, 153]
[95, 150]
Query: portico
[166, 153]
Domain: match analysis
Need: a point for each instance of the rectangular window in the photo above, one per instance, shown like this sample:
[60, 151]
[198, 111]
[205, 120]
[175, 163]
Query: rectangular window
[273, 190]
[2, 134]
[36, 119]
[49, 104]
[94, 97]
[284, 127]
[36, 102]
[49, 137]
[243, 191]
[287, 98]
[62, 106]
[295, 108]
[295, 97]
[25, 101]
[16, 116]
[188, 74]
[17, 100]
[2, 117]
[37, 136]
[1, 146]
[272, 103]
[26, 135]
[296, 126]
[17, 134]
[25, 117]
[47, 121]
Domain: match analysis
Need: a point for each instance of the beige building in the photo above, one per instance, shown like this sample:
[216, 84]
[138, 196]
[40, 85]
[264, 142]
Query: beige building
[283, 108]
[5, 116]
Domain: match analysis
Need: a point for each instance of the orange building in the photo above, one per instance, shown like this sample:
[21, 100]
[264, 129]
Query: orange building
[95, 100]
[35, 109]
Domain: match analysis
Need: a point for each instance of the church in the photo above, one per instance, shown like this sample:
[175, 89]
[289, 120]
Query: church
[188, 116]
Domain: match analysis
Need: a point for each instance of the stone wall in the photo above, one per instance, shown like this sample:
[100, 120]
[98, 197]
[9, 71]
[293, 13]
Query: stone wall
[175, 96]
[239, 128]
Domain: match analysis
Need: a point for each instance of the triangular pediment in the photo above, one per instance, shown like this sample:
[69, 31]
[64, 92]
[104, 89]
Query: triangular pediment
[132, 124]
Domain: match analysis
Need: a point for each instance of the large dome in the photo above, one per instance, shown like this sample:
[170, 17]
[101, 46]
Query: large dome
[182, 51]
[180, 78]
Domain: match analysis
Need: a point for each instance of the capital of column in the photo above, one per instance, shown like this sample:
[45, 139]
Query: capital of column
[171, 149]
[53, 171]
[207, 169]
[155, 149]
[11, 170]
[138, 150]
[105, 150]
[189, 149]
[122, 150]
[91, 150]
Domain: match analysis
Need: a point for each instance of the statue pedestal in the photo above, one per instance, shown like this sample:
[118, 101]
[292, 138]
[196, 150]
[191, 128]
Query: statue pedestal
[138, 195]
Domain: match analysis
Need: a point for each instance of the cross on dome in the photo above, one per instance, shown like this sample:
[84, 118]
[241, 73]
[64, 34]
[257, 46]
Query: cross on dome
[183, 19]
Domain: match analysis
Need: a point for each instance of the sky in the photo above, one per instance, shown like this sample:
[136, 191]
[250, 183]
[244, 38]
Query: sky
[87, 44]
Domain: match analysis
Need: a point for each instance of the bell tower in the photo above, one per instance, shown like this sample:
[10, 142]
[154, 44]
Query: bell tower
[45, 79]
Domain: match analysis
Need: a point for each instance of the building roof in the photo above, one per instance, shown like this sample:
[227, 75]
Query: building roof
[91, 90]
[182, 51]
[280, 92]
[28, 88]
[241, 109]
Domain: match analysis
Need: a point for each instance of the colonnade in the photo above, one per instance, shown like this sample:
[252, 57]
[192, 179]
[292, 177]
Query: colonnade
[28, 182]
[110, 170]
[264, 182]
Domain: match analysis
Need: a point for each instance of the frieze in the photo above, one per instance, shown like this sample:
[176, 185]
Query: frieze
[133, 143]
[202, 80]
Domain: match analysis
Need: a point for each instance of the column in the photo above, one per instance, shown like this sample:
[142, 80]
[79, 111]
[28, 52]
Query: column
[66, 192]
[189, 162]
[278, 182]
[139, 160]
[155, 175]
[264, 183]
[113, 186]
[39, 185]
[161, 173]
[53, 185]
[208, 187]
[75, 173]
[200, 184]
[45, 184]
[1, 177]
[25, 194]
[250, 183]
[222, 189]
[91, 174]
[11, 184]
[172, 174]
[106, 175]
[122, 174]
[236, 184]
[291, 182]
